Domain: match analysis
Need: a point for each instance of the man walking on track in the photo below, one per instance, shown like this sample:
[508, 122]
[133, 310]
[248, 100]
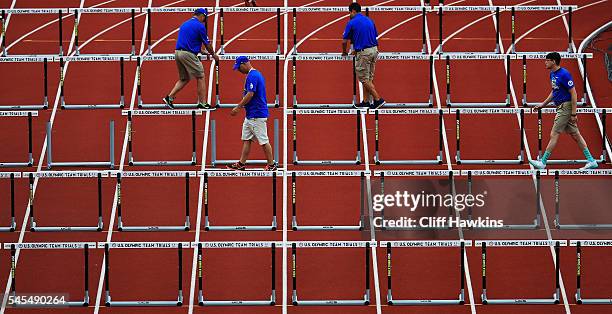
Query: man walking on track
[564, 96]
[362, 33]
[255, 123]
[192, 34]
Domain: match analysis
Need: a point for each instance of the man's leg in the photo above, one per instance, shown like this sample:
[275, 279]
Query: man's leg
[583, 145]
[202, 92]
[246, 149]
[552, 143]
[370, 89]
[267, 149]
[178, 87]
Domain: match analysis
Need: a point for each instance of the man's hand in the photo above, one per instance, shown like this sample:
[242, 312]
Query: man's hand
[235, 111]
[216, 57]
[539, 106]
[573, 119]
[344, 54]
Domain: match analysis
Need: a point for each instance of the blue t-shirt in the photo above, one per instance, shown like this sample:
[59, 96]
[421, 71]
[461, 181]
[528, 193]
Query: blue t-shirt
[561, 82]
[192, 34]
[361, 31]
[257, 106]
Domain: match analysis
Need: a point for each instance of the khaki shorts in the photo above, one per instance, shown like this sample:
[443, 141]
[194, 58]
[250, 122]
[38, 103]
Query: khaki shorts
[255, 128]
[188, 65]
[562, 119]
[365, 64]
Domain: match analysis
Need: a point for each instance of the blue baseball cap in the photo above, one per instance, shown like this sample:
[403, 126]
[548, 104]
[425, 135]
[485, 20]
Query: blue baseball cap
[240, 60]
[201, 11]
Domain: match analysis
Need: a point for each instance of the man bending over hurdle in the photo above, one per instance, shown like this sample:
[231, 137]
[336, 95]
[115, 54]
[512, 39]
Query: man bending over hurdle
[256, 106]
[564, 96]
[362, 33]
[192, 34]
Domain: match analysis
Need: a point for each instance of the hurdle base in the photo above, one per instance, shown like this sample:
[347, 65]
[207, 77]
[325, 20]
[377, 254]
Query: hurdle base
[24, 107]
[357, 161]
[580, 300]
[600, 160]
[11, 228]
[459, 301]
[176, 106]
[364, 301]
[274, 105]
[408, 105]
[162, 163]
[581, 226]
[97, 164]
[122, 227]
[477, 104]
[35, 228]
[437, 161]
[16, 164]
[296, 227]
[518, 161]
[208, 227]
[553, 300]
[248, 162]
[142, 303]
[92, 106]
[323, 106]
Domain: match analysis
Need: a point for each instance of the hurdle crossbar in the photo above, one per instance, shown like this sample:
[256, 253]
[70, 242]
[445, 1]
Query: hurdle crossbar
[361, 174]
[513, 9]
[56, 246]
[558, 223]
[225, 174]
[579, 244]
[460, 56]
[440, 244]
[109, 164]
[12, 223]
[356, 161]
[277, 58]
[30, 158]
[67, 174]
[213, 142]
[603, 156]
[491, 9]
[130, 128]
[58, 11]
[154, 174]
[418, 173]
[520, 243]
[77, 19]
[581, 102]
[92, 58]
[235, 245]
[143, 245]
[521, 156]
[333, 244]
[508, 172]
[45, 101]
[436, 161]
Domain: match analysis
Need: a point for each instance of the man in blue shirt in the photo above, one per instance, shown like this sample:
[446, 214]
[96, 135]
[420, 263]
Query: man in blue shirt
[362, 33]
[564, 96]
[192, 35]
[255, 122]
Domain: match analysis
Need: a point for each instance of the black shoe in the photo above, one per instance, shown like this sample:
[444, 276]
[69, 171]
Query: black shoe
[169, 102]
[363, 104]
[205, 106]
[378, 103]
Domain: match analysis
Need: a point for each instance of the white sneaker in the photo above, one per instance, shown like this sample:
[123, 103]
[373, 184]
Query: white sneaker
[590, 165]
[537, 164]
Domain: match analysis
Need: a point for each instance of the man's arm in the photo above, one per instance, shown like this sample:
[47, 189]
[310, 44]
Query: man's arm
[574, 102]
[245, 100]
[545, 102]
[211, 51]
[344, 47]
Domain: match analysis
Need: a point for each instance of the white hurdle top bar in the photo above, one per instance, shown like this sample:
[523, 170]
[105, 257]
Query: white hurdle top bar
[520, 243]
[51, 245]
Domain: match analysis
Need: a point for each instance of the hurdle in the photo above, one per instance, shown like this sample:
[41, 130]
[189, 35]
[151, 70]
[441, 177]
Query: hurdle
[4, 12]
[91, 58]
[521, 243]
[45, 101]
[11, 175]
[331, 244]
[435, 161]
[581, 102]
[477, 56]
[322, 57]
[214, 151]
[401, 225]
[249, 10]
[508, 172]
[66, 174]
[236, 245]
[130, 130]
[294, 174]
[446, 8]
[437, 244]
[579, 244]
[153, 174]
[526, 8]
[251, 56]
[603, 157]
[357, 113]
[109, 164]
[30, 160]
[239, 174]
[58, 300]
[143, 245]
[78, 12]
[558, 224]
[518, 161]
[423, 10]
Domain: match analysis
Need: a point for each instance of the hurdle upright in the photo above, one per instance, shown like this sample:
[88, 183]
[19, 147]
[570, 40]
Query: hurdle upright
[429, 244]
[78, 13]
[30, 158]
[45, 101]
[59, 300]
[331, 244]
[12, 224]
[154, 174]
[142, 245]
[579, 269]
[236, 245]
[106, 164]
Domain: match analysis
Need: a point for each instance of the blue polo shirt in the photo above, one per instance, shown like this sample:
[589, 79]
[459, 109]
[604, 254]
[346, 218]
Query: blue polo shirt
[561, 82]
[361, 31]
[192, 34]
[258, 106]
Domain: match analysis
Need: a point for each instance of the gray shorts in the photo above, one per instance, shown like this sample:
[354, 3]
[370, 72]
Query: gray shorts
[188, 65]
[365, 64]
[255, 128]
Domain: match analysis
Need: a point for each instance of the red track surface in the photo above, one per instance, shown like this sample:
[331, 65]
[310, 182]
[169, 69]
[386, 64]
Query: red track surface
[322, 273]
